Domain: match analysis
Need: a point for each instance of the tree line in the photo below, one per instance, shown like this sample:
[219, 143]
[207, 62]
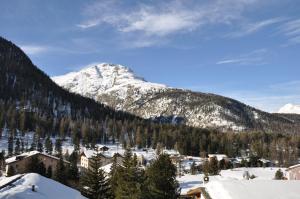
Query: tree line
[129, 181]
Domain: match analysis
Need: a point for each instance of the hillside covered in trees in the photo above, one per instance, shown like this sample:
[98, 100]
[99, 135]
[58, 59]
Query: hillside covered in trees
[30, 101]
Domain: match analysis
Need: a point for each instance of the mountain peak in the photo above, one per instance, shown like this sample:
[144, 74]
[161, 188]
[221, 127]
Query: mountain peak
[100, 78]
[290, 108]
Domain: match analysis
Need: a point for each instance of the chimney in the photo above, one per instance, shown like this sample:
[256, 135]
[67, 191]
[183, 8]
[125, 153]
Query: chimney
[33, 188]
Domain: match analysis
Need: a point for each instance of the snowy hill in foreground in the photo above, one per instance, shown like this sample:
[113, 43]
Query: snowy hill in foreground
[290, 108]
[45, 189]
[118, 87]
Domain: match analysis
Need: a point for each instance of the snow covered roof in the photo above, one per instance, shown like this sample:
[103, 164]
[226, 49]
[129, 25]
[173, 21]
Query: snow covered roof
[18, 157]
[292, 167]
[218, 156]
[249, 189]
[28, 154]
[45, 188]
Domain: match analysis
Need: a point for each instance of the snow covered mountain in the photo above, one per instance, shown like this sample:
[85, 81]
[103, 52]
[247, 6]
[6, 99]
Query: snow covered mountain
[114, 85]
[290, 108]
[118, 87]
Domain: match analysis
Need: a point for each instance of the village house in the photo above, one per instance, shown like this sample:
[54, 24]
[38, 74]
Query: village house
[105, 158]
[293, 172]
[196, 193]
[218, 156]
[19, 163]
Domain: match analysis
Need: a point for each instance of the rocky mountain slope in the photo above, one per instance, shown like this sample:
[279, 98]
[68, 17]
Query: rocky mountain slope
[118, 87]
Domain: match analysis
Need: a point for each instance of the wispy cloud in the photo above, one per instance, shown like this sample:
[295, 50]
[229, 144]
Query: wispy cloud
[250, 28]
[264, 100]
[34, 49]
[256, 57]
[159, 19]
[290, 86]
[291, 29]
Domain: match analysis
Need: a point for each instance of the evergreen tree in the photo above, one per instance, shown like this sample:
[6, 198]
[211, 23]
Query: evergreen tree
[113, 175]
[40, 146]
[129, 179]
[49, 172]
[205, 168]
[2, 159]
[94, 184]
[58, 146]
[161, 179]
[213, 166]
[17, 147]
[73, 169]
[10, 146]
[193, 168]
[279, 175]
[48, 145]
[60, 172]
[36, 166]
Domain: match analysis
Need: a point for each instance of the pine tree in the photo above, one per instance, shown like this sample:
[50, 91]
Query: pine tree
[60, 172]
[73, 169]
[49, 172]
[40, 146]
[58, 146]
[94, 184]
[10, 146]
[113, 175]
[193, 168]
[161, 179]
[279, 175]
[213, 166]
[35, 165]
[17, 147]
[48, 145]
[129, 179]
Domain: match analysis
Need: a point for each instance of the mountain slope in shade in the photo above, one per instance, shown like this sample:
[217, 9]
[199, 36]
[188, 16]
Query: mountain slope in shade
[23, 86]
[290, 108]
[118, 87]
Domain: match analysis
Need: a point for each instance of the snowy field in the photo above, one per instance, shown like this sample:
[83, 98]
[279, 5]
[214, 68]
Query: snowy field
[45, 189]
[250, 189]
[231, 185]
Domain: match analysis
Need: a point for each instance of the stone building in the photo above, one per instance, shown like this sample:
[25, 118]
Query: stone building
[19, 163]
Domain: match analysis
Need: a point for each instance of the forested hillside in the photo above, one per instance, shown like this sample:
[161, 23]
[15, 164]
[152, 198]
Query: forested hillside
[30, 101]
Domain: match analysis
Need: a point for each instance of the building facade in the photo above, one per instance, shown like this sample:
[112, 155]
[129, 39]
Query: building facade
[19, 163]
[293, 172]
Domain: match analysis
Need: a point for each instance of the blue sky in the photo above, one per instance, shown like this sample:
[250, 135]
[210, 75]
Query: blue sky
[244, 49]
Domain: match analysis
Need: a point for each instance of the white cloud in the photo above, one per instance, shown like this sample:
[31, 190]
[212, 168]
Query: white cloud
[256, 57]
[291, 29]
[287, 87]
[33, 49]
[250, 28]
[163, 18]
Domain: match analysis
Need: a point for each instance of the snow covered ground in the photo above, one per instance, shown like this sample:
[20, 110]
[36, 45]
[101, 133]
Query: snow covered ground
[45, 189]
[231, 185]
[254, 189]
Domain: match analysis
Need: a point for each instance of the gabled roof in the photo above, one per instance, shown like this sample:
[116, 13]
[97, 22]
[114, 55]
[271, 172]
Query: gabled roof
[29, 154]
[293, 167]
